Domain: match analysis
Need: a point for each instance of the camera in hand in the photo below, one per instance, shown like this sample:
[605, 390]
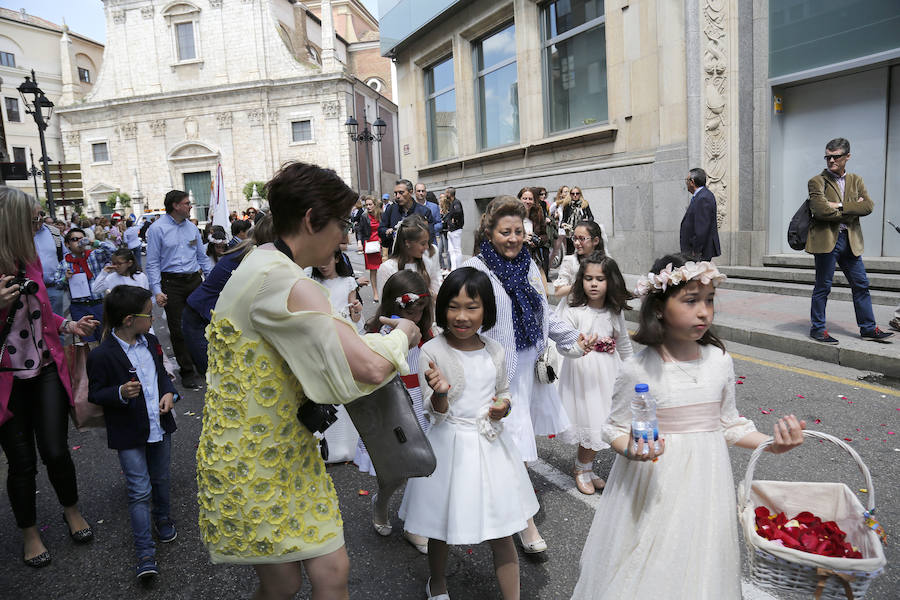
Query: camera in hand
[317, 417]
[27, 287]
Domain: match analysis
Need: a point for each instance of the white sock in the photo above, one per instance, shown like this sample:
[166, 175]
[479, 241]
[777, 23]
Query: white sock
[584, 466]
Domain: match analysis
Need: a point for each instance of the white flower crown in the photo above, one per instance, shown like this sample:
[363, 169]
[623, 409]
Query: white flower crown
[705, 272]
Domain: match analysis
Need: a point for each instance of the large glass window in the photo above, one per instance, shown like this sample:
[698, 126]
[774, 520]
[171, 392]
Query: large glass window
[7, 59]
[184, 38]
[301, 131]
[440, 111]
[806, 34]
[496, 89]
[574, 41]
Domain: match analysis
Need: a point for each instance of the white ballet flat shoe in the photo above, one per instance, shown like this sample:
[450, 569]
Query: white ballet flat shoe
[419, 542]
[382, 530]
[535, 547]
[428, 592]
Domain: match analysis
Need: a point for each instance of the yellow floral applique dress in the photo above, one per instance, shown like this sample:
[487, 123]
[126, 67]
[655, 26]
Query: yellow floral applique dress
[263, 491]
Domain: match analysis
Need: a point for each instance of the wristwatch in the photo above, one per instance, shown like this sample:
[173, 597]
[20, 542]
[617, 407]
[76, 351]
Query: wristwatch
[65, 326]
[840, 206]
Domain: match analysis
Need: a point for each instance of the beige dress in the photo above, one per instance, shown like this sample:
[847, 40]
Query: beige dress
[263, 491]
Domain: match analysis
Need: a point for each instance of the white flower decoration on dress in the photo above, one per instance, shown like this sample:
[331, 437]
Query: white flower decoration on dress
[705, 272]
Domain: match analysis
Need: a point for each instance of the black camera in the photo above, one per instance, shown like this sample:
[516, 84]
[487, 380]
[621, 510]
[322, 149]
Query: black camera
[27, 287]
[317, 417]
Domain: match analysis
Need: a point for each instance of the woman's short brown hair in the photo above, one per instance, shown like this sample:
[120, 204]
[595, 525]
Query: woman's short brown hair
[651, 331]
[298, 188]
[499, 207]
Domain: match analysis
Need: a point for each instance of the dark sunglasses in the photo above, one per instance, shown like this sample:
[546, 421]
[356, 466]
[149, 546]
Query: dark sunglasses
[831, 157]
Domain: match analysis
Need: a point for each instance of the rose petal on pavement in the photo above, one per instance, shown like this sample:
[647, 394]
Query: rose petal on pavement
[799, 396]
[76, 447]
[848, 439]
[817, 421]
[363, 492]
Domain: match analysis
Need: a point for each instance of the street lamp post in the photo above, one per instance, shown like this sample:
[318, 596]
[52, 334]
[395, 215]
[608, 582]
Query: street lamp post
[365, 136]
[35, 107]
[34, 172]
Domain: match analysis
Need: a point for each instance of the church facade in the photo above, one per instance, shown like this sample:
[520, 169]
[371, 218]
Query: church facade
[247, 84]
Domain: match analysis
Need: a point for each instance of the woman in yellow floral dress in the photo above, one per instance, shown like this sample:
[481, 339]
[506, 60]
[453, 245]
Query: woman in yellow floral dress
[265, 498]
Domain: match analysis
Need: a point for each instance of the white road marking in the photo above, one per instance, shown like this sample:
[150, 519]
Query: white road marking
[566, 483]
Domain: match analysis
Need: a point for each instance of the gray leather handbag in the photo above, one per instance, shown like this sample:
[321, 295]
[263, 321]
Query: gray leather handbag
[388, 426]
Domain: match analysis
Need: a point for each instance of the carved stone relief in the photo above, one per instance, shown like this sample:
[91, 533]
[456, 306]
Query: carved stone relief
[215, 3]
[273, 116]
[118, 17]
[255, 116]
[331, 109]
[191, 128]
[147, 12]
[72, 138]
[715, 111]
[158, 127]
[127, 131]
[224, 120]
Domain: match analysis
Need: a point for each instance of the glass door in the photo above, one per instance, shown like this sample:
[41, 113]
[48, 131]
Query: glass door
[200, 184]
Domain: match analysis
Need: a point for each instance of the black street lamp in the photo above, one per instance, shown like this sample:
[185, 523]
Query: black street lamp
[35, 107]
[366, 137]
[35, 173]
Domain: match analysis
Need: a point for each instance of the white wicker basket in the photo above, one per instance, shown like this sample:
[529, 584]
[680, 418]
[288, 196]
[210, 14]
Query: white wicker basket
[779, 568]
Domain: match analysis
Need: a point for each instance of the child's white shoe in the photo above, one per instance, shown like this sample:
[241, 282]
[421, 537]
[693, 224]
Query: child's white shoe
[420, 542]
[444, 596]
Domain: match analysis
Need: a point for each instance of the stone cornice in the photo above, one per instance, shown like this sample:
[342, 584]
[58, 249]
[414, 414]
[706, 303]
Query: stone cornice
[209, 91]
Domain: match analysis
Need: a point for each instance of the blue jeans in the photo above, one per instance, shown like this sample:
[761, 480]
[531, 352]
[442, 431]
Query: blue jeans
[855, 271]
[146, 470]
[137, 257]
[58, 299]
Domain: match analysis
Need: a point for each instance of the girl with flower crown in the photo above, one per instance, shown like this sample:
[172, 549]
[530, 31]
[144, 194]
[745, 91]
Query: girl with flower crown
[667, 528]
[405, 294]
[596, 304]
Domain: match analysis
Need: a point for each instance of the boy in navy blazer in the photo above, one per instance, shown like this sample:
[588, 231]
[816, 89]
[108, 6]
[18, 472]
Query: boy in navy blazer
[127, 378]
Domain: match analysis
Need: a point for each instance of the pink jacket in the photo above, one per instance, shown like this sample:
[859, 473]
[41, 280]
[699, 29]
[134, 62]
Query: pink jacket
[50, 332]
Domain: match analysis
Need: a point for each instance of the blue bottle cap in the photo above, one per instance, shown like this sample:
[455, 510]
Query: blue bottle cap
[642, 388]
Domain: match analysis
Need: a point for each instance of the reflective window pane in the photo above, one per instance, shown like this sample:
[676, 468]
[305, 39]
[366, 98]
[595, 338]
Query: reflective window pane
[439, 77]
[561, 16]
[499, 107]
[577, 80]
[805, 34]
[497, 48]
[301, 131]
[442, 139]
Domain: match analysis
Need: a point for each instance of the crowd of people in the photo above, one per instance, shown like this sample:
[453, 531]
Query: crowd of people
[272, 324]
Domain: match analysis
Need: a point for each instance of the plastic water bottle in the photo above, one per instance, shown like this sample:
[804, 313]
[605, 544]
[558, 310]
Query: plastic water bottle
[644, 424]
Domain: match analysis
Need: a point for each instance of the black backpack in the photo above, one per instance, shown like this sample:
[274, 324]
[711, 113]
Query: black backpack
[798, 228]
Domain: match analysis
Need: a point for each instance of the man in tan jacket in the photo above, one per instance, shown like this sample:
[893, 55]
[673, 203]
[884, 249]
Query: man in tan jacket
[837, 200]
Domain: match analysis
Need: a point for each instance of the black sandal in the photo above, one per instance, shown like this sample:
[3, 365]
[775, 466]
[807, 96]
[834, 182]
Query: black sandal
[82, 536]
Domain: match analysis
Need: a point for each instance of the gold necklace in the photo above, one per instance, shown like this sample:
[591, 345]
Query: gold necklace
[672, 360]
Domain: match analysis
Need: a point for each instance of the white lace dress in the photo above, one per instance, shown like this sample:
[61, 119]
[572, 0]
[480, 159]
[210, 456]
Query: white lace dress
[669, 529]
[586, 384]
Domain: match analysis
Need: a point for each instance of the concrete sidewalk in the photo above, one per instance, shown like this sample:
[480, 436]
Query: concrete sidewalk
[779, 322]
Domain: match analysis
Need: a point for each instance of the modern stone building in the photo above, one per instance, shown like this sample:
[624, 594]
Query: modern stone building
[623, 97]
[66, 65]
[250, 84]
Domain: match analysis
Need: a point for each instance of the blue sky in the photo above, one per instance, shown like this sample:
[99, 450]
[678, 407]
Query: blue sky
[86, 16]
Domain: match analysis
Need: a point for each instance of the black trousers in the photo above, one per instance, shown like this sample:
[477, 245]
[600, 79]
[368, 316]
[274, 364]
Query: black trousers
[40, 410]
[177, 287]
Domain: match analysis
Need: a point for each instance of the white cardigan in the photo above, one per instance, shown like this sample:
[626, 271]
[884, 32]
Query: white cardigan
[438, 351]
[390, 266]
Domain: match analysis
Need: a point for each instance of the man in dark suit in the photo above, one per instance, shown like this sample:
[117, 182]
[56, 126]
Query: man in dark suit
[404, 206]
[699, 230]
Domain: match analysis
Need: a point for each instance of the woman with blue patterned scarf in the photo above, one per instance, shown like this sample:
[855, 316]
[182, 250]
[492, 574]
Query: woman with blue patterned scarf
[523, 327]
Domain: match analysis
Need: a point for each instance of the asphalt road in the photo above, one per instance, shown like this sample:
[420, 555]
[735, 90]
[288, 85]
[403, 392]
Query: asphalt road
[391, 568]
